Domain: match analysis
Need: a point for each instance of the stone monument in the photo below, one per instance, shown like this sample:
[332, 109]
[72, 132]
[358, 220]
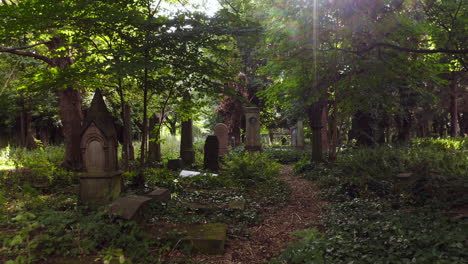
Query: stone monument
[252, 129]
[186, 143]
[300, 135]
[211, 153]
[101, 182]
[221, 132]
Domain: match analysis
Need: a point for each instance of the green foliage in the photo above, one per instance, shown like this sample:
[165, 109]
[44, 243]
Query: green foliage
[438, 166]
[250, 169]
[375, 217]
[371, 231]
[39, 166]
[70, 233]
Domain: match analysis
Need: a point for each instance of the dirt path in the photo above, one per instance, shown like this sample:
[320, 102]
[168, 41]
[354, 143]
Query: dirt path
[272, 236]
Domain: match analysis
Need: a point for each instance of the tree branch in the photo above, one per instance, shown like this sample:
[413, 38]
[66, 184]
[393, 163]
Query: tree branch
[29, 54]
[19, 51]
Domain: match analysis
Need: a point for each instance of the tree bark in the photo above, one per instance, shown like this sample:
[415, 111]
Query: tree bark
[454, 126]
[72, 118]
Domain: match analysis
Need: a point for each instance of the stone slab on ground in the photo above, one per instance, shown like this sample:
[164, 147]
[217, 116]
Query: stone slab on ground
[187, 173]
[159, 194]
[129, 207]
[207, 238]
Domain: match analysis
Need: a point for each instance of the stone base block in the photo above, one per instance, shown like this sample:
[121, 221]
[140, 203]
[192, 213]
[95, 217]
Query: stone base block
[207, 238]
[100, 189]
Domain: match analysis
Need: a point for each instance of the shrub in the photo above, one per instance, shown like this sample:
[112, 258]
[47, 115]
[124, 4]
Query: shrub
[249, 169]
[284, 155]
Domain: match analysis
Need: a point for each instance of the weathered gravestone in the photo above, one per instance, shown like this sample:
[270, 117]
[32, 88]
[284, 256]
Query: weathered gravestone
[221, 132]
[252, 129]
[101, 182]
[186, 143]
[211, 153]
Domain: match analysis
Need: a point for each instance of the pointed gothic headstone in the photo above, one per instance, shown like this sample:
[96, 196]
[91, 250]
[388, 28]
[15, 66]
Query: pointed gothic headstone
[101, 182]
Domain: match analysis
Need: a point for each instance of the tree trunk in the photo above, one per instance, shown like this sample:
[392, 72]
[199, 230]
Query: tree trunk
[72, 118]
[315, 122]
[454, 126]
[154, 148]
[127, 138]
[30, 139]
[333, 128]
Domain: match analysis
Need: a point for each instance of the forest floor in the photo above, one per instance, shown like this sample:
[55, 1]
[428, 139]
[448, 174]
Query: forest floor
[274, 233]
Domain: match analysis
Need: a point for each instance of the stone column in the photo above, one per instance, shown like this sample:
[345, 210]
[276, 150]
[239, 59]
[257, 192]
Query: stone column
[186, 143]
[300, 135]
[252, 129]
[154, 148]
[294, 136]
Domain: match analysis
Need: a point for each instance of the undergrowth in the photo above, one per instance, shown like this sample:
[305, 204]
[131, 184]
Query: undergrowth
[376, 217]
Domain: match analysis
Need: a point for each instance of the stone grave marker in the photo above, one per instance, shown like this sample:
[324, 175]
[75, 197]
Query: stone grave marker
[186, 143]
[175, 164]
[211, 153]
[252, 130]
[101, 182]
[221, 132]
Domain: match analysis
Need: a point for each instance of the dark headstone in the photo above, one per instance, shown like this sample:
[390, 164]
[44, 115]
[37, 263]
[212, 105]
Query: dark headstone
[186, 143]
[211, 153]
[175, 164]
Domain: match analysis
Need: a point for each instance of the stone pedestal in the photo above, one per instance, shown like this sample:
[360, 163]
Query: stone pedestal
[221, 131]
[252, 129]
[100, 189]
[186, 143]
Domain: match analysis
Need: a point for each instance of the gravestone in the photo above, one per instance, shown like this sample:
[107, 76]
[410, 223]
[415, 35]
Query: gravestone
[154, 147]
[252, 129]
[186, 143]
[221, 131]
[101, 182]
[300, 135]
[211, 153]
[175, 164]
